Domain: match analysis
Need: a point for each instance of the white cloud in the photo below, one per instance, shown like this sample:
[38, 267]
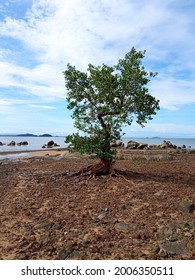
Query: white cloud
[161, 129]
[42, 106]
[7, 106]
[89, 31]
[43, 80]
[173, 92]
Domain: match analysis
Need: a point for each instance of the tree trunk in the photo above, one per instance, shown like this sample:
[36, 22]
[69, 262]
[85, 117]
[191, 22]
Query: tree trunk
[103, 167]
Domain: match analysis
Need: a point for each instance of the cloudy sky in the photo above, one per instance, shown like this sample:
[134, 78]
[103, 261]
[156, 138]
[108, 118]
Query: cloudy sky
[39, 37]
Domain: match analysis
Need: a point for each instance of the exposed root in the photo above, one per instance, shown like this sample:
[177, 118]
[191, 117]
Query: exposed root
[94, 172]
[100, 169]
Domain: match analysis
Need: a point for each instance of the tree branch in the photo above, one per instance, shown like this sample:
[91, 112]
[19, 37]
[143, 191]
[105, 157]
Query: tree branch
[101, 121]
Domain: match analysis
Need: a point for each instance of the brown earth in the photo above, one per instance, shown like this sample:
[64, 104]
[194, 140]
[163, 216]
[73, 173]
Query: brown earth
[146, 213]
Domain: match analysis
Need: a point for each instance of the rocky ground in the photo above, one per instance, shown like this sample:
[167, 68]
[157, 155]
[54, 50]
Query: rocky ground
[146, 213]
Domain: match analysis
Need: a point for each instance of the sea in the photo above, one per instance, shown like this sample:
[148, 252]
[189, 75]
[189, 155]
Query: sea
[36, 143]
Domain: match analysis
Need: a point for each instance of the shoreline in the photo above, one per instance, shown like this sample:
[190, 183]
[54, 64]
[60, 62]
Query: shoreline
[31, 153]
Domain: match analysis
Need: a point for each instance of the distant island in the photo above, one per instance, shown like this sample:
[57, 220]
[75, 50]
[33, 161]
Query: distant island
[45, 135]
[26, 135]
[33, 135]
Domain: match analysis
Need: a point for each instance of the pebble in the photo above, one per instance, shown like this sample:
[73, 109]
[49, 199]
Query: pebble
[56, 226]
[121, 226]
[175, 247]
[186, 206]
[100, 217]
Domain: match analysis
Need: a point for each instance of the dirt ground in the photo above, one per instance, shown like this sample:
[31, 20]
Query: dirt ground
[146, 213]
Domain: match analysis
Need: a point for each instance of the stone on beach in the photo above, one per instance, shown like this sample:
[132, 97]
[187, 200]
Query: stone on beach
[135, 145]
[117, 143]
[23, 143]
[132, 144]
[50, 144]
[12, 143]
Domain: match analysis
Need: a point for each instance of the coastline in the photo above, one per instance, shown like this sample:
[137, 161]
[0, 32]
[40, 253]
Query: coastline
[31, 153]
[122, 153]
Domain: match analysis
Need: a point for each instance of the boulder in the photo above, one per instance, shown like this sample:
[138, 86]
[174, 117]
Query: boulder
[164, 145]
[12, 143]
[178, 247]
[117, 143]
[142, 146]
[186, 206]
[132, 145]
[1, 144]
[168, 145]
[23, 143]
[154, 147]
[50, 144]
[56, 145]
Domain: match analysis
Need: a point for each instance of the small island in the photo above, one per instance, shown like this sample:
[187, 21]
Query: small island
[33, 135]
[45, 135]
[26, 135]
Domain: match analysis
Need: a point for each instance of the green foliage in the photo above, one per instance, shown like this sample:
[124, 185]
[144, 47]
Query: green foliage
[107, 98]
[90, 145]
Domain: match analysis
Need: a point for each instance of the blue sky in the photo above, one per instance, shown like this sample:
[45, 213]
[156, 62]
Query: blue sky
[39, 37]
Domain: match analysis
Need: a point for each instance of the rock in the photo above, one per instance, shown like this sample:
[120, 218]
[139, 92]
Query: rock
[162, 253]
[56, 145]
[135, 145]
[22, 143]
[22, 256]
[121, 226]
[132, 144]
[142, 146]
[155, 249]
[186, 206]
[100, 217]
[12, 143]
[56, 226]
[50, 144]
[70, 253]
[178, 247]
[168, 145]
[164, 145]
[1, 144]
[117, 143]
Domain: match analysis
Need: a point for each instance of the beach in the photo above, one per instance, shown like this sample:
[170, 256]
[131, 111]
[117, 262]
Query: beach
[147, 212]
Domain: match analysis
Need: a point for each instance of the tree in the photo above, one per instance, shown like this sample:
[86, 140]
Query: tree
[105, 99]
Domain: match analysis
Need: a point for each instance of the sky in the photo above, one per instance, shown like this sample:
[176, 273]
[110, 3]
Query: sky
[38, 38]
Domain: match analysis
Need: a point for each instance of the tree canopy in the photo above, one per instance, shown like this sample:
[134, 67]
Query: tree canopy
[107, 98]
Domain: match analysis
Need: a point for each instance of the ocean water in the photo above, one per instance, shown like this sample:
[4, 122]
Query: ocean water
[36, 143]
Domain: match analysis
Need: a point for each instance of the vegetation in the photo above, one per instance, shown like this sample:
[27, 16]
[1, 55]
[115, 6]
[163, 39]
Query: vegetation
[103, 100]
